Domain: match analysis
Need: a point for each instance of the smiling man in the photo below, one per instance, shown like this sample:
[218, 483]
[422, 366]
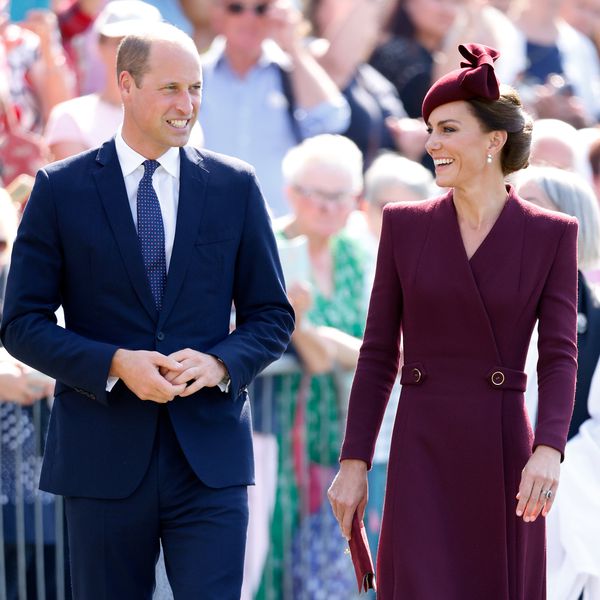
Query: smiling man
[146, 243]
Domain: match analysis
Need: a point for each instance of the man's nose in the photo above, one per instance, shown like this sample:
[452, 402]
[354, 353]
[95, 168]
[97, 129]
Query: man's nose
[185, 103]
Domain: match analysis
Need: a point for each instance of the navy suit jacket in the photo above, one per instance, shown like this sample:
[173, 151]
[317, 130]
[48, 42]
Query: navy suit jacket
[77, 246]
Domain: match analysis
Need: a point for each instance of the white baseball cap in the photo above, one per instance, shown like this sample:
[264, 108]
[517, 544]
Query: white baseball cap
[123, 17]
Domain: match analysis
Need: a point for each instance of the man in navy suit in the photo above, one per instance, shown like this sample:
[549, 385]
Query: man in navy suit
[146, 243]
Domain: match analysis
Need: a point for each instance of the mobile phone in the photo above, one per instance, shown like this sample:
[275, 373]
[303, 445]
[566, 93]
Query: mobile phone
[19, 8]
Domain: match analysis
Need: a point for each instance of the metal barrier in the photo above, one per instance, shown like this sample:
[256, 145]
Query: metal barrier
[29, 572]
[26, 566]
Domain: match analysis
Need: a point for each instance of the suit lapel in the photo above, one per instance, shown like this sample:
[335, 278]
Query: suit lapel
[111, 186]
[192, 200]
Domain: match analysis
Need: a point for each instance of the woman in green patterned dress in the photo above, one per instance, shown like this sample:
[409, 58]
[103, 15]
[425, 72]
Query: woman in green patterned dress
[323, 178]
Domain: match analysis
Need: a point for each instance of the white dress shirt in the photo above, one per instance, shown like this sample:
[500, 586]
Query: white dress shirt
[166, 185]
[165, 182]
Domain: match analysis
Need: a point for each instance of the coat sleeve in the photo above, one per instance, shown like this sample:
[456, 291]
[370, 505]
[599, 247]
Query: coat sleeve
[33, 294]
[379, 355]
[557, 344]
[264, 317]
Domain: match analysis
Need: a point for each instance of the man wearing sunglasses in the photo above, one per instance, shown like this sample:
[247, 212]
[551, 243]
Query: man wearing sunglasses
[264, 92]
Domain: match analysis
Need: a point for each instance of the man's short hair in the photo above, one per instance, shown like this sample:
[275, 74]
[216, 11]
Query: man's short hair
[134, 50]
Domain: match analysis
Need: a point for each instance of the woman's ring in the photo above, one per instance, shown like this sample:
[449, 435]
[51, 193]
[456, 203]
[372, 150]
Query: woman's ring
[547, 494]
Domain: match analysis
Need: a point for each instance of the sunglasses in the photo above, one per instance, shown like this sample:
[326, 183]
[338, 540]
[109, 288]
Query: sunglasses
[237, 8]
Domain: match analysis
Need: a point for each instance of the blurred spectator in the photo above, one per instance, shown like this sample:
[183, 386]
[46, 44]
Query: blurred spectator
[479, 21]
[20, 451]
[173, 12]
[201, 26]
[323, 178]
[413, 35]
[572, 532]
[594, 158]
[34, 67]
[74, 20]
[391, 178]
[583, 15]
[573, 527]
[346, 34]
[569, 193]
[261, 97]
[562, 78]
[502, 5]
[85, 122]
[554, 144]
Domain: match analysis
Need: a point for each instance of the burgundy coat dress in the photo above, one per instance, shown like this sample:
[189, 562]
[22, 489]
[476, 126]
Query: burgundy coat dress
[462, 436]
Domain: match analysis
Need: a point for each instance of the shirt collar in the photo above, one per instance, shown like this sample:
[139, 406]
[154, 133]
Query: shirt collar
[130, 160]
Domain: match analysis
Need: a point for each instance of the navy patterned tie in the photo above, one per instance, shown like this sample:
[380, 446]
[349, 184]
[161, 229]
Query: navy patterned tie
[151, 233]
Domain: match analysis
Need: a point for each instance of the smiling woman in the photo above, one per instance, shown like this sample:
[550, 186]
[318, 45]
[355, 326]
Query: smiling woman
[462, 279]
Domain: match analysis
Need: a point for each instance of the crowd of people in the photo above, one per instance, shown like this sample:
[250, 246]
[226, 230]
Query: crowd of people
[324, 100]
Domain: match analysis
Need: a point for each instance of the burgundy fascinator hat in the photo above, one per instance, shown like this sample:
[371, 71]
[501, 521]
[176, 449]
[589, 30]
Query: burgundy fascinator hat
[475, 79]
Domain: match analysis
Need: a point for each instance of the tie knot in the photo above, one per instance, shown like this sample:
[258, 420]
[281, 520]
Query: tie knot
[149, 167]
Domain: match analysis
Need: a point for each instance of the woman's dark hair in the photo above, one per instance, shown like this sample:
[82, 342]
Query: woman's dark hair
[507, 114]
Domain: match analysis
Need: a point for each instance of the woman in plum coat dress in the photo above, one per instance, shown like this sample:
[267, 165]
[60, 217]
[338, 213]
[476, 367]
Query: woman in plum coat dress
[463, 278]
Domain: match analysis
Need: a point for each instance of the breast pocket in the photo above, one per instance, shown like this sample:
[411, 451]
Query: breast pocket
[211, 261]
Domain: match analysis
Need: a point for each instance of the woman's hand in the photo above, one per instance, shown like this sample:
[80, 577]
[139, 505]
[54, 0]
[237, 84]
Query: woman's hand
[539, 482]
[348, 493]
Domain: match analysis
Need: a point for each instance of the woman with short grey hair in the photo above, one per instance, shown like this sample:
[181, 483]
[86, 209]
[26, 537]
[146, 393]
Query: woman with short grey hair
[567, 192]
[570, 552]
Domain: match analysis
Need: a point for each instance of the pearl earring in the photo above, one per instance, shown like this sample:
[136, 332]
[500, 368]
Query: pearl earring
[489, 159]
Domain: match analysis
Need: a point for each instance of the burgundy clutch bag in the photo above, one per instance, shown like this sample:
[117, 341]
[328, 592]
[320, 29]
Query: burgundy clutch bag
[361, 556]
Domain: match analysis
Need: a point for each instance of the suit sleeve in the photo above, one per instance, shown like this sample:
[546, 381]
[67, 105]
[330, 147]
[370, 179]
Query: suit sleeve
[264, 317]
[29, 330]
[557, 344]
[379, 354]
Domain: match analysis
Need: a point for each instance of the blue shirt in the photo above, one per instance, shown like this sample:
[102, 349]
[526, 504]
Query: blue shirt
[248, 117]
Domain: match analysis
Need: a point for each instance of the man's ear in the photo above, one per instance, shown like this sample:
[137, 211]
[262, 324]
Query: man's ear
[125, 82]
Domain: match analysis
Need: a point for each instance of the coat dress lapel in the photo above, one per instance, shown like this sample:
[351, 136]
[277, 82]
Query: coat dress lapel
[449, 273]
[496, 270]
[491, 266]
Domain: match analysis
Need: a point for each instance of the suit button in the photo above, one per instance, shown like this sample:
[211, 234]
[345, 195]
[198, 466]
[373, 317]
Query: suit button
[160, 336]
[416, 373]
[498, 378]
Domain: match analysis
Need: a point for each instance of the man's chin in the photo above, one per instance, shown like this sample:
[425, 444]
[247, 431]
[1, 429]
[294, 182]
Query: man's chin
[179, 140]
